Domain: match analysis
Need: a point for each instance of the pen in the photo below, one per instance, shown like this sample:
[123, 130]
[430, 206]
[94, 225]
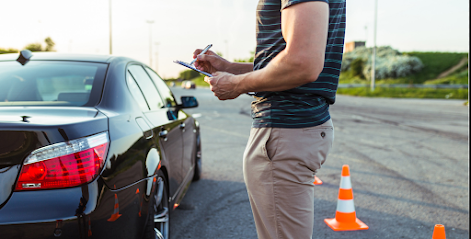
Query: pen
[204, 51]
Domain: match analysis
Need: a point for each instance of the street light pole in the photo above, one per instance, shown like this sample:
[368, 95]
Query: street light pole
[227, 51]
[150, 41]
[157, 56]
[373, 67]
[111, 43]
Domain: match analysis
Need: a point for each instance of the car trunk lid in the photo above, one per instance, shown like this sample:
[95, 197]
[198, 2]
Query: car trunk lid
[24, 129]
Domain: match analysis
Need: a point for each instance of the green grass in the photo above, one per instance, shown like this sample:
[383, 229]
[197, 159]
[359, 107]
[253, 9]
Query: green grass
[434, 64]
[406, 93]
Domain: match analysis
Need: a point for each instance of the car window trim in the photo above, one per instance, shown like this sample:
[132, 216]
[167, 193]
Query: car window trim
[160, 94]
[135, 81]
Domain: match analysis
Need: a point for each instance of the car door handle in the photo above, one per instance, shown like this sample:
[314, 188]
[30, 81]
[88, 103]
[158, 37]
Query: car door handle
[163, 134]
[182, 125]
[149, 134]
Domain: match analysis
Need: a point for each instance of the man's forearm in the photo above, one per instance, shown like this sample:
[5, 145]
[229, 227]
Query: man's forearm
[285, 71]
[238, 68]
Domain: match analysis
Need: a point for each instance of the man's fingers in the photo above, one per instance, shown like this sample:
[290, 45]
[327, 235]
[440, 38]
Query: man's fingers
[196, 52]
[203, 57]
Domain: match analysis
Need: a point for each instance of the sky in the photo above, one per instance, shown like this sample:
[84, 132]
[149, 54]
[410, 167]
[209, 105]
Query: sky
[157, 32]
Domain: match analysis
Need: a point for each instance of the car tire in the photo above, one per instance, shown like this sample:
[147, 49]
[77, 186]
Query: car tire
[158, 224]
[198, 160]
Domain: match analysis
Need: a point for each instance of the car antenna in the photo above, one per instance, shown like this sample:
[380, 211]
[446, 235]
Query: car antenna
[24, 57]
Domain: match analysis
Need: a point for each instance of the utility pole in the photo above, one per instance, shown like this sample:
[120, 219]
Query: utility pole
[40, 32]
[227, 51]
[150, 41]
[111, 43]
[157, 56]
[373, 65]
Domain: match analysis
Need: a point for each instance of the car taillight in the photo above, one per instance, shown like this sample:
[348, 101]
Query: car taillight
[63, 165]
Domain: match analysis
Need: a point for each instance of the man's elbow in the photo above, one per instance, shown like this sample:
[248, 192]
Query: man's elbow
[311, 69]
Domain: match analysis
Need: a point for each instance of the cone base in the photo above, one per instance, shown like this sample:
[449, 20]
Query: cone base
[114, 217]
[343, 226]
[317, 181]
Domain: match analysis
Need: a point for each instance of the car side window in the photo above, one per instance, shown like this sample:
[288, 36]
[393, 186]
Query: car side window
[136, 92]
[147, 87]
[165, 92]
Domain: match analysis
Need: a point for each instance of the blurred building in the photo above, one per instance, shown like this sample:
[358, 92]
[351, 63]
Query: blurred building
[350, 46]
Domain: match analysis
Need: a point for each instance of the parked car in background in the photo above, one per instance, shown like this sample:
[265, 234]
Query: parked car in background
[91, 146]
[188, 85]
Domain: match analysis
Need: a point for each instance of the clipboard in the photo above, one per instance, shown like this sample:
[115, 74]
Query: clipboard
[205, 73]
[192, 67]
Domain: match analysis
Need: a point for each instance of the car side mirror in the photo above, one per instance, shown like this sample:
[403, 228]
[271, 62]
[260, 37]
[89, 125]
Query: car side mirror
[188, 102]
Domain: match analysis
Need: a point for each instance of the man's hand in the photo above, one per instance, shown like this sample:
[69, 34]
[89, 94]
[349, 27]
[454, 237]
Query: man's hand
[210, 62]
[224, 85]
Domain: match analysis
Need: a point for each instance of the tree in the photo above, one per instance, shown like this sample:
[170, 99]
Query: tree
[49, 44]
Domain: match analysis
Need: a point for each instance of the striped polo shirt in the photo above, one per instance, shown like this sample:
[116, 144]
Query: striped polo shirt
[306, 105]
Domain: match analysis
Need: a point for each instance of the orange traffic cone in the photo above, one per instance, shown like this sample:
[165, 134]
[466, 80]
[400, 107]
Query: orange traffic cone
[439, 232]
[141, 201]
[345, 217]
[115, 214]
[89, 227]
[317, 181]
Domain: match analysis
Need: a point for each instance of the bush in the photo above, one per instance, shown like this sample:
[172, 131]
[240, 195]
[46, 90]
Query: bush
[393, 67]
[9, 50]
[356, 67]
[34, 47]
[188, 74]
[389, 63]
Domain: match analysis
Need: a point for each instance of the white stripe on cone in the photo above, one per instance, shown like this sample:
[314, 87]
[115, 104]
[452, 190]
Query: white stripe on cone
[345, 182]
[346, 206]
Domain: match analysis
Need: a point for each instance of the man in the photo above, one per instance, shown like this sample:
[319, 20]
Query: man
[295, 77]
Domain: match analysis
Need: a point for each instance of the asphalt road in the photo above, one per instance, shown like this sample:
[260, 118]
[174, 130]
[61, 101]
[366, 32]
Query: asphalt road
[408, 161]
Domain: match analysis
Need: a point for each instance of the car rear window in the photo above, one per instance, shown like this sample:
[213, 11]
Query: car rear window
[51, 83]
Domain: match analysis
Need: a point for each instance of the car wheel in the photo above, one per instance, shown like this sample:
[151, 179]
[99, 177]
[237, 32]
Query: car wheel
[158, 225]
[198, 161]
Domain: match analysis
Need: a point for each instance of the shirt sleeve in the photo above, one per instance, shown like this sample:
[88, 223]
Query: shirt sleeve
[288, 3]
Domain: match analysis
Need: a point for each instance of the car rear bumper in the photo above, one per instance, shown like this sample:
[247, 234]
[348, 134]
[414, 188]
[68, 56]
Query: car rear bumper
[89, 211]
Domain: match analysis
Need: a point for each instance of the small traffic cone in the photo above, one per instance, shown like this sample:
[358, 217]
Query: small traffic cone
[345, 216]
[141, 201]
[439, 232]
[89, 227]
[115, 214]
[317, 181]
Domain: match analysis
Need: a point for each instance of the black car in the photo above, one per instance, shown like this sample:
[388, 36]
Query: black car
[91, 146]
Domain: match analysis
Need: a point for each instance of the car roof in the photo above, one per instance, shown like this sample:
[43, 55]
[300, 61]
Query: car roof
[61, 57]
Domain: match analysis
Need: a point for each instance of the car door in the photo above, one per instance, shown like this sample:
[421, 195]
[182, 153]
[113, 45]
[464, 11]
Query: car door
[186, 123]
[166, 126]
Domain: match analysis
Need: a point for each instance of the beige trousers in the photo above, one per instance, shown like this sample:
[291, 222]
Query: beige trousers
[279, 168]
